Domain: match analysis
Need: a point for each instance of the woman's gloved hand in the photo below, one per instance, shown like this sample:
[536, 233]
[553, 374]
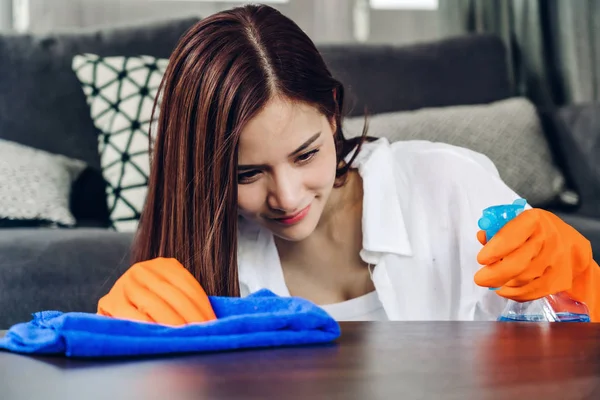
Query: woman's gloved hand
[537, 254]
[160, 290]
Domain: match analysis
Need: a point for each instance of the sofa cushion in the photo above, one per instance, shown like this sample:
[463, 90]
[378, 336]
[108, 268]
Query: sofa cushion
[35, 186]
[41, 102]
[509, 132]
[58, 269]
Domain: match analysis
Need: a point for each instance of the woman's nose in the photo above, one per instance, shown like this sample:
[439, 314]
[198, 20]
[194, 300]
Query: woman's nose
[285, 193]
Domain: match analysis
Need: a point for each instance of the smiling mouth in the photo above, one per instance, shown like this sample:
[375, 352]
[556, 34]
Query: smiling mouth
[295, 218]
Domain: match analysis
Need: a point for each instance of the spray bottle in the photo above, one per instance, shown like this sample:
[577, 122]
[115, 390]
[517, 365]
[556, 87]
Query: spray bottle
[557, 307]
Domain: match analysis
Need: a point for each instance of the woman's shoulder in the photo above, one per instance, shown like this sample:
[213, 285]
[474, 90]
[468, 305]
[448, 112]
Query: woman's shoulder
[408, 151]
[424, 165]
[441, 155]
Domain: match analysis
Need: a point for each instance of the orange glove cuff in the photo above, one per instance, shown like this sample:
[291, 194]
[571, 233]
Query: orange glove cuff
[586, 289]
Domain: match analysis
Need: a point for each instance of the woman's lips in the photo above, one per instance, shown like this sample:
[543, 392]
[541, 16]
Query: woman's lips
[294, 219]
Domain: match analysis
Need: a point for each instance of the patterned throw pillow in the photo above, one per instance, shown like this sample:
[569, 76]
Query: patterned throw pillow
[35, 186]
[120, 92]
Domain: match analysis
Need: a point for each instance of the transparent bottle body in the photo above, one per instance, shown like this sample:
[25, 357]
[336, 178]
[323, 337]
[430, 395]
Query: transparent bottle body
[553, 308]
[559, 307]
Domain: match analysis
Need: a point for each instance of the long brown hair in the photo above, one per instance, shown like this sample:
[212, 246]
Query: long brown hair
[221, 74]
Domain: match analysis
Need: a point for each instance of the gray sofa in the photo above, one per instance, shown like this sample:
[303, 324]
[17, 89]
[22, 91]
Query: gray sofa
[42, 106]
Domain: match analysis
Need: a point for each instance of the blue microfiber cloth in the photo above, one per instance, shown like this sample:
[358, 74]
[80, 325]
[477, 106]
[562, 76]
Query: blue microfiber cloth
[262, 319]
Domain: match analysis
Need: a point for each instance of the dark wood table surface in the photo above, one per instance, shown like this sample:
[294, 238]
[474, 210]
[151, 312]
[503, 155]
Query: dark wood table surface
[393, 360]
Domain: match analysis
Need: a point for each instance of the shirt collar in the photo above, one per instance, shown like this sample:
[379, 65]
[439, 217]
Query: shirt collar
[383, 225]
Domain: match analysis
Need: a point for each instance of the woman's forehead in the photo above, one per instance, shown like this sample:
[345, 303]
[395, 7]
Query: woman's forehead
[280, 122]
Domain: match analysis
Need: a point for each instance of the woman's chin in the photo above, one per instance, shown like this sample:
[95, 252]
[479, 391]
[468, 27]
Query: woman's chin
[293, 232]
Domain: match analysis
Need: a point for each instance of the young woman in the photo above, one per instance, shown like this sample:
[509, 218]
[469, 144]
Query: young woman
[253, 186]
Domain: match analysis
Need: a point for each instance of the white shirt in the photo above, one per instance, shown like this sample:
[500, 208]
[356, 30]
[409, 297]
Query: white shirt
[364, 308]
[421, 204]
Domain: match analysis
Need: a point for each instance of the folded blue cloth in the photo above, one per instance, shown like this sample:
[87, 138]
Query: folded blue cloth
[262, 319]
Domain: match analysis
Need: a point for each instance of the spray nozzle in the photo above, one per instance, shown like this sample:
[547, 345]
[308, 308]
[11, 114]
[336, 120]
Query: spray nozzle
[495, 217]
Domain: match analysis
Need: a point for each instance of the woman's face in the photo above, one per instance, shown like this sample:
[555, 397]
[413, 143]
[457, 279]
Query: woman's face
[286, 168]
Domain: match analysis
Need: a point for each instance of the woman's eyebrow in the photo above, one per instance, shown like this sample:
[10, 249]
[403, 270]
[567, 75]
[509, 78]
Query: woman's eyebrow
[304, 145]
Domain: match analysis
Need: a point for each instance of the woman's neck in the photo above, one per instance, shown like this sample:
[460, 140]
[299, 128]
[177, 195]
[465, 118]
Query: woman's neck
[333, 248]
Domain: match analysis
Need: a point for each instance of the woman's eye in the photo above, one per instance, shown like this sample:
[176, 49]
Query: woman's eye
[307, 156]
[246, 177]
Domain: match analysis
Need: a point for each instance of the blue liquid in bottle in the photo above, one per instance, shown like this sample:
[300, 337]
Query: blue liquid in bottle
[563, 317]
[557, 307]
[554, 308]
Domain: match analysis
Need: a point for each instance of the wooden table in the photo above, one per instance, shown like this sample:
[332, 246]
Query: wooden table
[395, 360]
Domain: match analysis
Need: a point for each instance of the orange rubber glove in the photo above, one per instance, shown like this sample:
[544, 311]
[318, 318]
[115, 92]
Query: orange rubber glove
[537, 254]
[159, 290]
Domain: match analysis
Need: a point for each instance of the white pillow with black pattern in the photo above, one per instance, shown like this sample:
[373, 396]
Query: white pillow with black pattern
[120, 92]
[35, 186]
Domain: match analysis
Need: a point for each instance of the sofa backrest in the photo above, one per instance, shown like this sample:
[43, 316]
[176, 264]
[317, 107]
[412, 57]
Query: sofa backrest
[42, 104]
[461, 70]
